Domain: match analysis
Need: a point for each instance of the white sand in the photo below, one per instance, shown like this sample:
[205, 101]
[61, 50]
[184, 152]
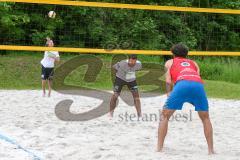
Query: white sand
[30, 119]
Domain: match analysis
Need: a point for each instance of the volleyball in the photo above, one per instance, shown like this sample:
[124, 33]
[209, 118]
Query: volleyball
[51, 14]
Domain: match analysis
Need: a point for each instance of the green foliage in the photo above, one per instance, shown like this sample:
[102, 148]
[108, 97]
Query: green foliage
[220, 68]
[28, 24]
[21, 70]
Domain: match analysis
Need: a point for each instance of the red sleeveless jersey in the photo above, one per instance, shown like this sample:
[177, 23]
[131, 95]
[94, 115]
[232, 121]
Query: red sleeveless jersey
[184, 69]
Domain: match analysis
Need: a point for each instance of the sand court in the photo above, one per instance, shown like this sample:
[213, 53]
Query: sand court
[30, 120]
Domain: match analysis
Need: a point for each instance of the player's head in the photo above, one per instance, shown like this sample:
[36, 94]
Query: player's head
[132, 59]
[179, 50]
[50, 43]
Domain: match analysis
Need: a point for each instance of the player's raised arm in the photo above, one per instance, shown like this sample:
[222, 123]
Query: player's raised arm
[57, 58]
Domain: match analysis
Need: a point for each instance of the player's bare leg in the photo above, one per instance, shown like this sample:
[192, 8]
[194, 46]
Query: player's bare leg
[137, 102]
[208, 131]
[44, 87]
[113, 103]
[163, 127]
[49, 88]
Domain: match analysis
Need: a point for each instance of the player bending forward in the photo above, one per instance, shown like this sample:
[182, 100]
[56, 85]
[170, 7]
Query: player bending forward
[125, 75]
[188, 87]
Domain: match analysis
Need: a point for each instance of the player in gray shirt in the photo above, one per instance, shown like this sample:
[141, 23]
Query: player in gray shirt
[126, 75]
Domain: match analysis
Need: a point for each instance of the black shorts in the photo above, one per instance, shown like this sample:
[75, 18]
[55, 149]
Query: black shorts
[47, 73]
[119, 83]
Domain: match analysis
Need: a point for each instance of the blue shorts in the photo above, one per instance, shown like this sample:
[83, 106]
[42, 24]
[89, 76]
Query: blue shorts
[187, 91]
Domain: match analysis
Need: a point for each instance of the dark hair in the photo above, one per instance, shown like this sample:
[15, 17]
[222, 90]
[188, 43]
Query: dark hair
[132, 56]
[180, 50]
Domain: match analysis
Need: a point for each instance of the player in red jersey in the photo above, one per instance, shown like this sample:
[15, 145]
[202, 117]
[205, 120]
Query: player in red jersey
[184, 74]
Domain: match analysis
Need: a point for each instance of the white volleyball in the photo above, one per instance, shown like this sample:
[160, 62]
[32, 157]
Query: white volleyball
[51, 14]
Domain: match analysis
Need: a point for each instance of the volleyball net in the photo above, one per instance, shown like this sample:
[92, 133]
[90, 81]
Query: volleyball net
[115, 28]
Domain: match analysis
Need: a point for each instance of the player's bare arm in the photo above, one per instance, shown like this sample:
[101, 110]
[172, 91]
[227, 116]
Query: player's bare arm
[169, 84]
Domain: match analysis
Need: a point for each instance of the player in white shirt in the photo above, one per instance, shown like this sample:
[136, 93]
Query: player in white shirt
[48, 62]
